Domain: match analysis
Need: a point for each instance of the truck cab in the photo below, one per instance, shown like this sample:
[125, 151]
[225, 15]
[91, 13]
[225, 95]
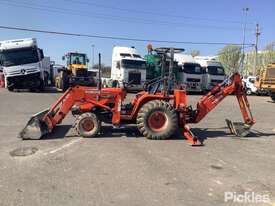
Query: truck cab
[22, 63]
[190, 73]
[76, 61]
[129, 67]
[213, 72]
[249, 85]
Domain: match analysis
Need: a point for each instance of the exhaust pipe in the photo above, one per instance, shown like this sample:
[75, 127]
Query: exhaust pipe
[36, 127]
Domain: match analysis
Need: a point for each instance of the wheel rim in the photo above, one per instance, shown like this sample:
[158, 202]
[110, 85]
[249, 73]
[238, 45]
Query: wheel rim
[87, 124]
[157, 121]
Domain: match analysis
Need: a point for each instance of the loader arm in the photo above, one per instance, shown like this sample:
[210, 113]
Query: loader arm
[233, 85]
[83, 98]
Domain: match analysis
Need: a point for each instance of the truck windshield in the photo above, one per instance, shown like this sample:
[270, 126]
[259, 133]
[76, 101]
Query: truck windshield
[133, 64]
[191, 68]
[19, 56]
[214, 70]
[78, 59]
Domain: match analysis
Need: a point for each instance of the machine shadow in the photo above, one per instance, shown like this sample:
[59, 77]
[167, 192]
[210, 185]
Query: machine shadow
[205, 133]
[59, 132]
[131, 131]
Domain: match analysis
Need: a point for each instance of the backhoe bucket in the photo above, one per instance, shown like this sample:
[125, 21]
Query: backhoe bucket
[240, 129]
[35, 127]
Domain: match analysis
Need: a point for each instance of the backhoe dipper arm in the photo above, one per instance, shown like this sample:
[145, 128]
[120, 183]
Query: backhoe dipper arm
[232, 85]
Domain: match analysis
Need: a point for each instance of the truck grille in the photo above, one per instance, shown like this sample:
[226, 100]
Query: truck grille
[22, 71]
[193, 80]
[134, 78]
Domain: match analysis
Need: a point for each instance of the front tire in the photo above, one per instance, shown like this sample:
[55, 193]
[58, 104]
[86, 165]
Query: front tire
[157, 120]
[87, 125]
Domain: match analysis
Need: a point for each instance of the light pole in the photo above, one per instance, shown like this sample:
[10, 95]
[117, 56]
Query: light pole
[93, 55]
[257, 33]
[245, 10]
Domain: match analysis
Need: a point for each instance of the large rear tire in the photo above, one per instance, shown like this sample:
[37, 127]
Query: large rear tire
[157, 120]
[87, 125]
[64, 81]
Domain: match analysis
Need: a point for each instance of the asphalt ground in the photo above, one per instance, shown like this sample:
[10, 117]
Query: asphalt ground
[122, 168]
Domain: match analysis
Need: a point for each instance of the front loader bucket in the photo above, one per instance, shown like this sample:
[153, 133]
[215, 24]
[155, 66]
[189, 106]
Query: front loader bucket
[35, 127]
[240, 129]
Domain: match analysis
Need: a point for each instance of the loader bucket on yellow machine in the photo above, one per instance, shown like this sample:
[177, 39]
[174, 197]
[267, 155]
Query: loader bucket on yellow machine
[240, 129]
[35, 127]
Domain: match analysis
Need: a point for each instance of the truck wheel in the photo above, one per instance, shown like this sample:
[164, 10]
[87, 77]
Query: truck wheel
[41, 86]
[10, 88]
[248, 92]
[87, 125]
[46, 79]
[157, 120]
[272, 95]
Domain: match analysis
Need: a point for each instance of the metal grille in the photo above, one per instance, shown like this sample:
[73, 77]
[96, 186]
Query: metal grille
[134, 78]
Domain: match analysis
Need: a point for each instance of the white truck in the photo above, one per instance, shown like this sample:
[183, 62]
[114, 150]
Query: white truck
[191, 73]
[128, 67]
[213, 72]
[249, 85]
[23, 64]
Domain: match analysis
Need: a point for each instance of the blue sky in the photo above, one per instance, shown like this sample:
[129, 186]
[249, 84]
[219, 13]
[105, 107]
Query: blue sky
[177, 20]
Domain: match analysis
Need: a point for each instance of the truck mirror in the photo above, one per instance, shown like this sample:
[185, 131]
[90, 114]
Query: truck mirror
[41, 53]
[63, 58]
[88, 60]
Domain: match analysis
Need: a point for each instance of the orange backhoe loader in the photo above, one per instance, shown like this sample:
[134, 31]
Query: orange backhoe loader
[158, 111]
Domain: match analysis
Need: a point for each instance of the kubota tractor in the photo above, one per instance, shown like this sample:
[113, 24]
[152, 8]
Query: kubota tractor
[158, 111]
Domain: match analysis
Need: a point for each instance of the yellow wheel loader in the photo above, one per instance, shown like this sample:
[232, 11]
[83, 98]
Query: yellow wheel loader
[75, 72]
